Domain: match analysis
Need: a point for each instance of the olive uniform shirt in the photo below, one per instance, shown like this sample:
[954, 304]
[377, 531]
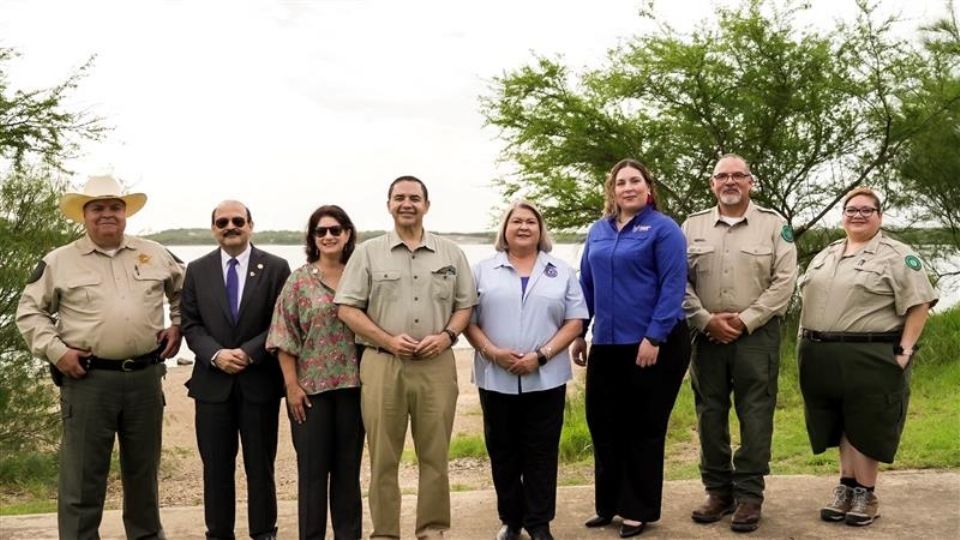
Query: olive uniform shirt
[868, 291]
[109, 305]
[749, 268]
[403, 291]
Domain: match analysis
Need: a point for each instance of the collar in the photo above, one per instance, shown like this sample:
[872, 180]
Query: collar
[87, 246]
[243, 258]
[751, 209]
[873, 244]
[502, 260]
[612, 219]
[427, 240]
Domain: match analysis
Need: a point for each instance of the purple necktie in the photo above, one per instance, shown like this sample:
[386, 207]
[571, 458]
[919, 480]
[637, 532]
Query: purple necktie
[233, 288]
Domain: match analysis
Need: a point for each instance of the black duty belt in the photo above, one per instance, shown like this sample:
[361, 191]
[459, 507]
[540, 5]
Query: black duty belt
[851, 337]
[130, 364]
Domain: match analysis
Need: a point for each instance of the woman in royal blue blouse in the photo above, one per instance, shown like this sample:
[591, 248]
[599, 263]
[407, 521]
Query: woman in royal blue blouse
[633, 273]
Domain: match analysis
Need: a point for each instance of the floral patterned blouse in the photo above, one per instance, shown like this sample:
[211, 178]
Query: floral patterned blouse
[305, 325]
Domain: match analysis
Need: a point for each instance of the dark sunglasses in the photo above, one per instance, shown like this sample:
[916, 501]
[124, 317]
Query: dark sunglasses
[320, 232]
[223, 223]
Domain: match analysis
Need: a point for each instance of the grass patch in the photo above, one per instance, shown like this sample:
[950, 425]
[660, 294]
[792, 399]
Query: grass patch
[467, 446]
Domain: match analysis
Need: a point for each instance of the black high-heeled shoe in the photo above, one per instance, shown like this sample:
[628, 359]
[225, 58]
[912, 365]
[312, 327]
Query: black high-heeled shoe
[627, 531]
[598, 521]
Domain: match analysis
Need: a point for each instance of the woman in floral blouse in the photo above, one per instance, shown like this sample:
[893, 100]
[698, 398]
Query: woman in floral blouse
[319, 362]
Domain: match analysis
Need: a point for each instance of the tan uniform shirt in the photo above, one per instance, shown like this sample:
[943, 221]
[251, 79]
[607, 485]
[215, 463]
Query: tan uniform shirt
[404, 291]
[109, 305]
[868, 291]
[749, 268]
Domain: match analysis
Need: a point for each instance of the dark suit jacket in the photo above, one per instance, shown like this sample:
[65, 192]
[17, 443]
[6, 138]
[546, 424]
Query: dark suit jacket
[208, 326]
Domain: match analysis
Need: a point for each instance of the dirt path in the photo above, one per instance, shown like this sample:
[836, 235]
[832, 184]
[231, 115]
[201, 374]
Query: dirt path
[914, 504]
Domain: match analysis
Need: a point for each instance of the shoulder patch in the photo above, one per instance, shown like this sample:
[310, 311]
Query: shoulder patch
[37, 272]
[913, 262]
[174, 256]
[787, 233]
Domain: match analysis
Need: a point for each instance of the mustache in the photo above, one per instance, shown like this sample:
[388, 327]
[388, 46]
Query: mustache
[232, 232]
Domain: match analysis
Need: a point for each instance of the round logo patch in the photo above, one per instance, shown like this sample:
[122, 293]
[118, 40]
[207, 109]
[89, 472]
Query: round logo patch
[550, 271]
[787, 233]
[913, 262]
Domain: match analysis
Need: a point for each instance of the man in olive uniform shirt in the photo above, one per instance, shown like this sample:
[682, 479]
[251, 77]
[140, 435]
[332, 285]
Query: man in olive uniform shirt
[94, 309]
[407, 295]
[742, 266]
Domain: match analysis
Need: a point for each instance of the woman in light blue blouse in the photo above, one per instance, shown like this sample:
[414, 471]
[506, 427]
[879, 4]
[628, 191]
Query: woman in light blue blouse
[530, 309]
[633, 272]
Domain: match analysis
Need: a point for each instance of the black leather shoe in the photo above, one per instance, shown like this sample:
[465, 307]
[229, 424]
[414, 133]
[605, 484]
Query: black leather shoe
[627, 531]
[508, 533]
[543, 533]
[598, 521]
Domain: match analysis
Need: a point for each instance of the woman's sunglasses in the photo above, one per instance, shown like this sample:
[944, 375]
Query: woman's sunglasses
[335, 230]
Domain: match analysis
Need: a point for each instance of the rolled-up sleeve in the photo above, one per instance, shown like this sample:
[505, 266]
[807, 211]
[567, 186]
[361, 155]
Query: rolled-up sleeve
[354, 289]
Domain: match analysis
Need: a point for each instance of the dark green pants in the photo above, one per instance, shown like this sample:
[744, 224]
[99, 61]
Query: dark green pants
[96, 409]
[748, 369]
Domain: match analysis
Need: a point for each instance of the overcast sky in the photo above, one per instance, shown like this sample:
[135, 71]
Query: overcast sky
[287, 105]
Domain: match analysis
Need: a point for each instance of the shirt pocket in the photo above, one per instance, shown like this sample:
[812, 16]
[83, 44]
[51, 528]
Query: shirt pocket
[386, 284]
[149, 283]
[700, 258]
[442, 283]
[871, 278]
[758, 261]
[85, 290]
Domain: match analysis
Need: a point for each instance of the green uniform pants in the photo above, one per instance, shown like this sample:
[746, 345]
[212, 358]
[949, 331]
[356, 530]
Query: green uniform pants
[96, 409]
[748, 368]
[393, 390]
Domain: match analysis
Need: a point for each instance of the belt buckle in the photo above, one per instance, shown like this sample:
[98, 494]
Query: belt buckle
[127, 365]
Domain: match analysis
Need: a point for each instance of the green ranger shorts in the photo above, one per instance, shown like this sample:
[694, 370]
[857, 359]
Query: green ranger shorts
[854, 389]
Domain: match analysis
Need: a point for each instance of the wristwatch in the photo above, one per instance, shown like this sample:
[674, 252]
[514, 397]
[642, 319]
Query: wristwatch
[654, 342]
[451, 335]
[541, 358]
[898, 350]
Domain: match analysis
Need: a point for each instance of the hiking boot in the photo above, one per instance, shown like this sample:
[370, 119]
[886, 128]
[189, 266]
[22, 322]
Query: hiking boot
[837, 510]
[714, 508]
[747, 517]
[864, 508]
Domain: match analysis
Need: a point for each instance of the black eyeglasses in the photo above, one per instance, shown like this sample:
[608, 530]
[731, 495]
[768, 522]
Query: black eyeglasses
[737, 176]
[223, 223]
[865, 211]
[320, 232]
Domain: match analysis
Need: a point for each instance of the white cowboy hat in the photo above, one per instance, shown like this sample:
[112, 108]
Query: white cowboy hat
[98, 188]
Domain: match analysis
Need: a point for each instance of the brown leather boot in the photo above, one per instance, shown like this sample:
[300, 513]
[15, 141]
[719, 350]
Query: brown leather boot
[747, 517]
[713, 509]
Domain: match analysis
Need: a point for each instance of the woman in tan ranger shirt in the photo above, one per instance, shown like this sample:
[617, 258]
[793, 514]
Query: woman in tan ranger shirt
[865, 302]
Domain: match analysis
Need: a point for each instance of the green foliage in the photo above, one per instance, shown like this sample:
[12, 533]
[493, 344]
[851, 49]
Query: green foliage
[814, 112]
[30, 226]
[467, 446]
[35, 126]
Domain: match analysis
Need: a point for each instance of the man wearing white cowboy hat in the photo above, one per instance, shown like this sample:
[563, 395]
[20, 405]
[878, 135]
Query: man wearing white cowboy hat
[94, 310]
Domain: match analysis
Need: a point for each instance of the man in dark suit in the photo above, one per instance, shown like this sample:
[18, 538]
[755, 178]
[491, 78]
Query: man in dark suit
[227, 302]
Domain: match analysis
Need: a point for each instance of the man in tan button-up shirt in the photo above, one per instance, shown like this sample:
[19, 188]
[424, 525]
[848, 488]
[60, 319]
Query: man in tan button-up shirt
[407, 295]
[742, 265]
[94, 309]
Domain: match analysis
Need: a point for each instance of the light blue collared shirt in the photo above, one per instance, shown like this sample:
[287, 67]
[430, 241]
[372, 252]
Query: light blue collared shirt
[525, 322]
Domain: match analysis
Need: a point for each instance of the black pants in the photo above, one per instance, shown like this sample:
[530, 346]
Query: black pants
[628, 409]
[217, 427]
[329, 445]
[522, 432]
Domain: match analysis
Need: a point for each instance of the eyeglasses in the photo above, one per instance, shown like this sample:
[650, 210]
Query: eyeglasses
[335, 230]
[223, 223]
[737, 176]
[865, 211]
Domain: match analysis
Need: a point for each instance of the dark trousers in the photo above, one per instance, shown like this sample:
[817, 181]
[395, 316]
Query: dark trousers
[329, 445]
[628, 408]
[96, 409]
[748, 368]
[218, 425]
[522, 432]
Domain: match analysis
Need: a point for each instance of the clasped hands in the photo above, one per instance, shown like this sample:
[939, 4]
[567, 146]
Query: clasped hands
[405, 346]
[232, 361]
[724, 327]
[514, 362]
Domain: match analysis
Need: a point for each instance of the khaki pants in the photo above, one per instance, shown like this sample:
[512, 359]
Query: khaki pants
[425, 390]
